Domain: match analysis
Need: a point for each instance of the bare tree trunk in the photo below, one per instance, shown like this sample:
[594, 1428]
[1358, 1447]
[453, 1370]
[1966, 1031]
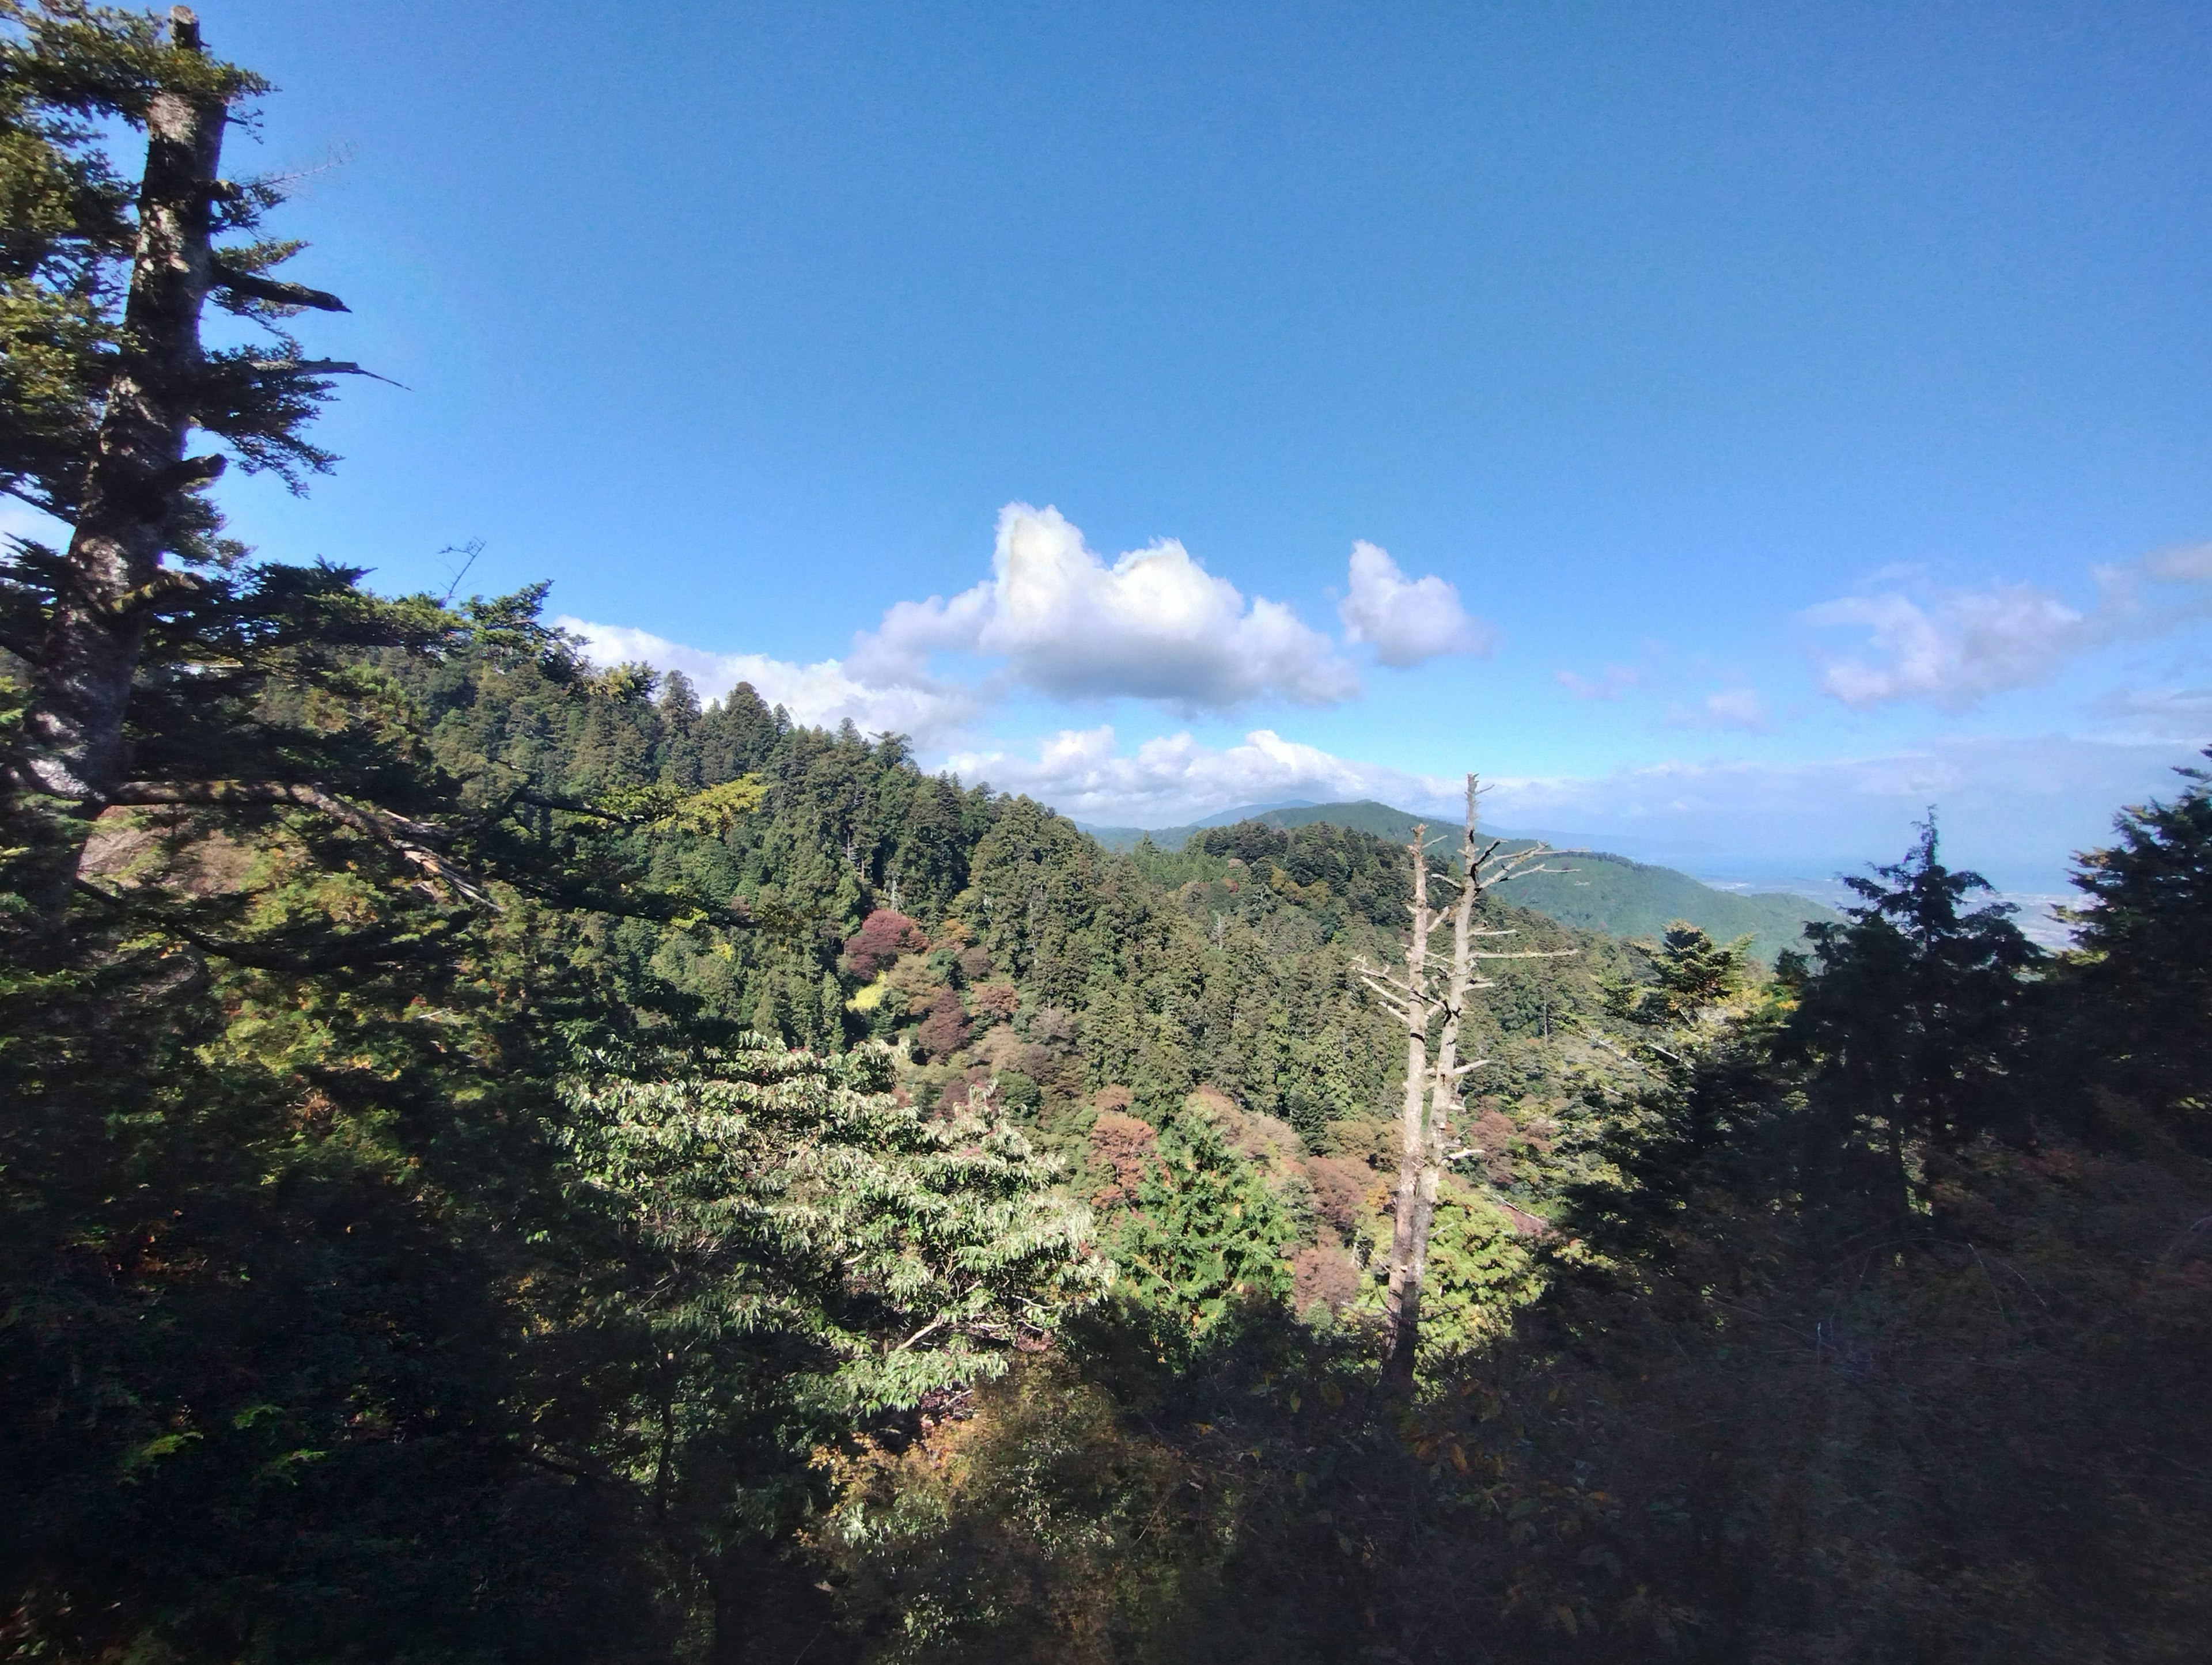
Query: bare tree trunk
[1410, 1215]
[1432, 1087]
[138, 476]
[1445, 1073]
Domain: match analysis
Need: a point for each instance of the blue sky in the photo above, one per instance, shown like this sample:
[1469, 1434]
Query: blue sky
[1804, 412]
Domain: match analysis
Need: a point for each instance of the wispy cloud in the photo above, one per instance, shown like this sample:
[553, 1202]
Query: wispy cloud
[1406, 621]
[1175, 778]
[1608, 685]
[823, 694]
[2157, 714]
[1954, 648]
[2016, 805]
[1743, 709]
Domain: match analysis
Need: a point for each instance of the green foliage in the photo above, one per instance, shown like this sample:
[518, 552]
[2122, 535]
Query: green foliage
[784, 1211]
[1913, 1022]
[1206, 1242]
[481, 1225]
[2143, 977]
[635, 1326]
[1483, 1268]
[1691, 976]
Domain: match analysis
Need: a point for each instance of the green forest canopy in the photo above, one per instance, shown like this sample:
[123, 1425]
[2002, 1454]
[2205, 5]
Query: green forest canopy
[1606, 893]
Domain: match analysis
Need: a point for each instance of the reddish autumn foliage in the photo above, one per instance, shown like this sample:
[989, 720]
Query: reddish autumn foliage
[883, 937]
[993, 1003]
[944, 1026]
[1342, 1190]
[1493, 1134]
[1323, 1274]
[1123, 1146]
[954, 1097]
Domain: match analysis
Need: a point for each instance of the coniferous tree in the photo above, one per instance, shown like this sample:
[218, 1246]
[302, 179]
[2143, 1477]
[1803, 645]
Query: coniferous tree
[1913, 1019]
[2145, 977]
[110, 286]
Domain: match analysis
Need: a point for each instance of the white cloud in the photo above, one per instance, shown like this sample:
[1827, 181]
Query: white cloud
[1406, 621]
[1056, 618]
[1955, 652]
[1735, 708]
[1175, 778]
[2153, 715]
[1954, 648]
[823, 694]
[1155, 625]
[2016, 807]
[1608, 685]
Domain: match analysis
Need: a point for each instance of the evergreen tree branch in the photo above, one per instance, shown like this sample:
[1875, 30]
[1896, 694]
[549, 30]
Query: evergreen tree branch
[414, 841]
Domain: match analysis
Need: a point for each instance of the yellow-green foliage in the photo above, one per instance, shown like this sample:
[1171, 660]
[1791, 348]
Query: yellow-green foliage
[1482, 1269]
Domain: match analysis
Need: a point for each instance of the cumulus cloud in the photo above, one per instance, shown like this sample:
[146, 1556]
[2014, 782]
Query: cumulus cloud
[1056, 618]
[823, 694]
[1172, 779]
[1954, 648]
[1406, 621]
[1153, 625]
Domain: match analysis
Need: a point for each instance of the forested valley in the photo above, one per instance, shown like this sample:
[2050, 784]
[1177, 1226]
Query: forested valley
[500, 1161]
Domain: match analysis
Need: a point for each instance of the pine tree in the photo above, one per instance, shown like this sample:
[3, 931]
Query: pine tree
[101, 434]
[2144, 975]
[1911, 1018]
[1206, 1242]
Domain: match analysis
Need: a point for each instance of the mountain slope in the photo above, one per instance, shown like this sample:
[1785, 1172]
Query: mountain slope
[1604, 892]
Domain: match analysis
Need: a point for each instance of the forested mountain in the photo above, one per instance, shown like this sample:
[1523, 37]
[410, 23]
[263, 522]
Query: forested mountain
[1652, 1417]
[1603, 892]
[499, 1162]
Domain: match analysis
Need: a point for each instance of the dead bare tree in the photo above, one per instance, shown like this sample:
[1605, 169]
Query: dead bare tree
[1434, 998]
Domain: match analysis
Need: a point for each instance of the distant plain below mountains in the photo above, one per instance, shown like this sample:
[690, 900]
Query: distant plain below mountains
[1599, 892]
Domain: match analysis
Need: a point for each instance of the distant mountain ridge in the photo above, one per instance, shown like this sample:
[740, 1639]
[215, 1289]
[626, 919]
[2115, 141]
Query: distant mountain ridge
[1603, 891]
